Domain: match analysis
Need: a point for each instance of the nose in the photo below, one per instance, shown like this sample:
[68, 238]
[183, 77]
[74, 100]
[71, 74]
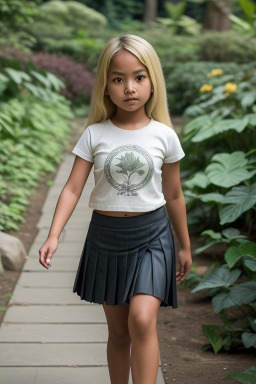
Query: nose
[129, 87]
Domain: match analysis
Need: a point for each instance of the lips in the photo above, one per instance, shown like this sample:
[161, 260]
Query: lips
[131, 99]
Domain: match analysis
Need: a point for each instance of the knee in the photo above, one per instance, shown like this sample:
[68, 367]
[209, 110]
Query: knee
[119, 336]
[141, 324]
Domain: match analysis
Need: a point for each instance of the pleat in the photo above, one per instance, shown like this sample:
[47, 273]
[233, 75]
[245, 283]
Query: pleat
[132, 265]
[111, 279]
[172, 291]
[136, 274]
[122, 266]
[79, 280]
[99, 285]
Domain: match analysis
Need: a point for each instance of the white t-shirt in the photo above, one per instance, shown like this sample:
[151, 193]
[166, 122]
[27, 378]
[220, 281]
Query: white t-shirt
[127, 164]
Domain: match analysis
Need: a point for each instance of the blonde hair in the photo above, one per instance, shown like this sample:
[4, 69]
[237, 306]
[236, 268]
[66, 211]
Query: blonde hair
[102, 107]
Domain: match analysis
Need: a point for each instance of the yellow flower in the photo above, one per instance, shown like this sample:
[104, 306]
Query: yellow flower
[206, 88]
[230, 87]
[227, 94]
[215, 72]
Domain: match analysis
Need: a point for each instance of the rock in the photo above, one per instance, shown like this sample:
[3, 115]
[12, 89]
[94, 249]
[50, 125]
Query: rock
[12, 252]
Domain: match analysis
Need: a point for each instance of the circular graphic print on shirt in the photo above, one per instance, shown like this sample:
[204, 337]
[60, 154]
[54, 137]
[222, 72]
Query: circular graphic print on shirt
[128, 168]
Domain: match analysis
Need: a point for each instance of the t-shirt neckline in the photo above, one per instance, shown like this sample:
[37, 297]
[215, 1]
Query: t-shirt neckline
[133, 131]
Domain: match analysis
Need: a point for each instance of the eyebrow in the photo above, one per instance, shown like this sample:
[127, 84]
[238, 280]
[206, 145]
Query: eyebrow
[123, 74]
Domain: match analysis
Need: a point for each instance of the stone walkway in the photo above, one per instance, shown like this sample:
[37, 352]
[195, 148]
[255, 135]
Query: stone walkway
[49, 335]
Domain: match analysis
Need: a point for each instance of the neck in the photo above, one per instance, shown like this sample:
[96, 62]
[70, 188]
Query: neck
[135, 118]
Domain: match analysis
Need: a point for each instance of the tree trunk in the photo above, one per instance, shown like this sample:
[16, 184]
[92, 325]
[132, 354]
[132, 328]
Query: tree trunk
[216, 15]
[150, 11]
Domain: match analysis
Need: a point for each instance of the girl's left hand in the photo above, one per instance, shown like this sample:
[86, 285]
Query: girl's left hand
[185, 263]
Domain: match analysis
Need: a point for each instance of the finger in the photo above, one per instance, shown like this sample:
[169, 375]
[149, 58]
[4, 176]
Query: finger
[44, 258]
[186, 273]
[181, 271]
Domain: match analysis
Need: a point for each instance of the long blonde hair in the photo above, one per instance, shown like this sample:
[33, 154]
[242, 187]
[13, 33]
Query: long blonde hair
[101, 106]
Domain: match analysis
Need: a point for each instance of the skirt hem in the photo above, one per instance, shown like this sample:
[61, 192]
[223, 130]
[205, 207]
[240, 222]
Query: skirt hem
[99, 301]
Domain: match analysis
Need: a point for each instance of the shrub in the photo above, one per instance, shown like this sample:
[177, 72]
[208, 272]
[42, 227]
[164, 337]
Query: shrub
[71, 13]
[33, 129]
[221, 197]
[228, 46]
[183, 81]
[79, 81]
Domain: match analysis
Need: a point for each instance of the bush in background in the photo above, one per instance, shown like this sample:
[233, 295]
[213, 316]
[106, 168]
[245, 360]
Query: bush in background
[221, 199]
[79, 81]
[33, 130]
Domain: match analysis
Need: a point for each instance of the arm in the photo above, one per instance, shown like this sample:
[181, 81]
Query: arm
[65, 206]
[176, 211]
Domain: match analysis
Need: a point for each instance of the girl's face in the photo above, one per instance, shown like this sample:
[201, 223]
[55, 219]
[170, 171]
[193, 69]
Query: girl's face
[128, 82]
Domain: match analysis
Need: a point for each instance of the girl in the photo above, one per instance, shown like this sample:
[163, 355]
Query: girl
[128, 260]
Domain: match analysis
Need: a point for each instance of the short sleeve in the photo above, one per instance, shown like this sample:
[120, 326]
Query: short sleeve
[174, 151]
[83, 147]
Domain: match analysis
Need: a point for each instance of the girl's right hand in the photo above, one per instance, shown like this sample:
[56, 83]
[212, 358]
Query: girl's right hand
[47, 250]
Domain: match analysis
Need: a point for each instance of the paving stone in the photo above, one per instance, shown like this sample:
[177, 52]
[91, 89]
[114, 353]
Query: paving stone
[59, 264]
[62, 375]
[52, 279]
[51, 204]
[77, 220]
[53, 333]
[62, 354]
[58, 296]
[62, 314]
[67, 235]
[64, 249]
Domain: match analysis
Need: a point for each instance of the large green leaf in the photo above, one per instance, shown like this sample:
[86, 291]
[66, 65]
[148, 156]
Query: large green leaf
[252, 320]
[227, 170]
[222, 277]
[207, 197]
[246, 377]
[249, 263]
[239, 200]
[213, 334]
[17, 76]
[237, 295]
[209, 131]
[252, 118]
[234, 254]
[196, 124]
[198, 180]
[249, 339]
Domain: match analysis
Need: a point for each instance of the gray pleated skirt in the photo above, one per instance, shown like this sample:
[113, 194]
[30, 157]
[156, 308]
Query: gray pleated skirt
[123, 256]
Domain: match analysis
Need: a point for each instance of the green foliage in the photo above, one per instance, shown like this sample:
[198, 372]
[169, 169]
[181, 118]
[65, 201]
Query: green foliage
[33, 130]
[70, 13]
[222, 337]
[221, 157]
[183, 82]
[248, 23]
[177, 22]
[246, 377]
[237, 201]
[13, 15]
[223, 177]
[221, 278]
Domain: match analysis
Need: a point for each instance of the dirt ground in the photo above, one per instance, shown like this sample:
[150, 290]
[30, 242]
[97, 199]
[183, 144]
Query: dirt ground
[179, 330]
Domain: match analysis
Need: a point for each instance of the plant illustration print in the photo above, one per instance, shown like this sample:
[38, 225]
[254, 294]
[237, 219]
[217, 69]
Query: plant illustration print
[130, 165]
[128, 168]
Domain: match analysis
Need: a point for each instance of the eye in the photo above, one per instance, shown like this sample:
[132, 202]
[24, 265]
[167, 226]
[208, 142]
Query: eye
[140, 77]
[117, 80]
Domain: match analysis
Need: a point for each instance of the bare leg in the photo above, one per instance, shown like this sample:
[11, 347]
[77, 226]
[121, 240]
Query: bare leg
[119, 342]
[142, 322]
